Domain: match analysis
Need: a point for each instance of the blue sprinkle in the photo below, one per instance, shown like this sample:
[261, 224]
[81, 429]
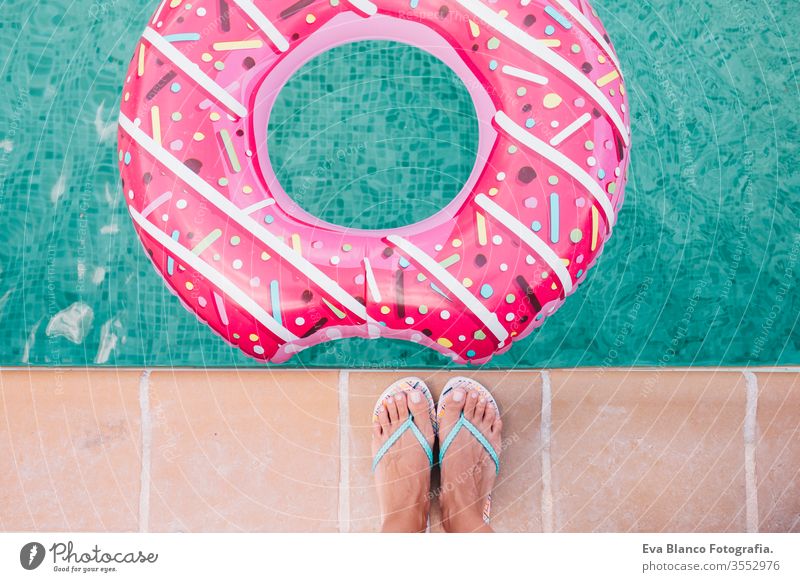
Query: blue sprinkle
[175, 87]
[182, 36]
[536, 226]
[579, 273]
[554, 220]
[404, 262]
[170, 261]
[538, 317]
[414, 3]
[486, 291]
[601, 173]
[529, 122]
[269, 219]
[558, 17]
[492, 65]
[470, 353]
[127, 158]
[549, 30]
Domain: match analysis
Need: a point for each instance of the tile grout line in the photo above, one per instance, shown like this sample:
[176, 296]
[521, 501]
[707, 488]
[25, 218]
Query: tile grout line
[750, 430]
[147, 444]
[546, 432]
[344, 451]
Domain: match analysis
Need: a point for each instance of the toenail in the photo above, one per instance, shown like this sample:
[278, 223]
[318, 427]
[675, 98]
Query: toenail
[458, 395]
[482, 400]
[474, 394]
[398, 397]
[415, 396]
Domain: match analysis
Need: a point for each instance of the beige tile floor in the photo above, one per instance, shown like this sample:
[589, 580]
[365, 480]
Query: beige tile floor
[584, 450]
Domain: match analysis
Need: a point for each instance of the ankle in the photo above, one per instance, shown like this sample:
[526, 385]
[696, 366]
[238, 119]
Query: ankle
[404, 522]
[460, 515]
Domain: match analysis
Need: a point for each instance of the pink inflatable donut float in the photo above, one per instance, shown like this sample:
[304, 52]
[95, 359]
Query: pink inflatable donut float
[480, 274]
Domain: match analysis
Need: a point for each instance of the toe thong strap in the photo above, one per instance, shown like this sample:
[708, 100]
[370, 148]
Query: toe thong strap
[407, 425]
[463, 422]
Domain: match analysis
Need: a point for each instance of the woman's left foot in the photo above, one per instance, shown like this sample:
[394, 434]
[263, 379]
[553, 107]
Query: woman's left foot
[403, 474]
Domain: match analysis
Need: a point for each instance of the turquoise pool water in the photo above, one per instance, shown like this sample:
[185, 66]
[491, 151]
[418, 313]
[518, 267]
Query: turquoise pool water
[702, 270]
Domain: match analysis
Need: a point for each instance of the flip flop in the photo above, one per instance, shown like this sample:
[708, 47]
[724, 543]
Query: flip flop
[407, 385]
[468, 385]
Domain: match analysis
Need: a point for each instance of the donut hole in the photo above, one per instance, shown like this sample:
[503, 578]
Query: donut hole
[373, 135]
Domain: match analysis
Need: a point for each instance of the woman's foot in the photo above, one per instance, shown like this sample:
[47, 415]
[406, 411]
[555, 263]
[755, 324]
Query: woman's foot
[468, 472]
[403, 475]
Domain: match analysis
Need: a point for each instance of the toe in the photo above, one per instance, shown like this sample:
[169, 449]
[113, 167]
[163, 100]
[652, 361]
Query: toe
[418, 405]
[452, 406]
[383, 418]
[497, 426]
[469, 406]
[377, 431]
[391, 408]
[489, 415]
[480, 409]
[402, 406]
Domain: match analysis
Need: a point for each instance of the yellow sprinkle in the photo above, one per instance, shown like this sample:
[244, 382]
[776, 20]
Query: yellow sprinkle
[481, 221]
[443, 341]
[198, 136]
[264, 256]
[206, 57]
[189, 285]
[606, 79]
[550, 42]
[253, 337]
[247, 189]
[215, 116]
[467, 282]
[474, 30]
[127, 95]
[156, 121]
[551, 100]
[311, 19]
[601, 59]
[175, 3]
[296, 243]
[595, 221]
[456, 242]
[621, 89]
[140, 68]
[493, 191]
[234, 45]
[385, 310]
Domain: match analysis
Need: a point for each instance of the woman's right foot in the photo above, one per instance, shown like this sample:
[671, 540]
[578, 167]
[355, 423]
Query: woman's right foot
[467, 471]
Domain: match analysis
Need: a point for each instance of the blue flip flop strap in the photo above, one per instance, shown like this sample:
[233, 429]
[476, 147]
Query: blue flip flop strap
[463, 422]
[407, 425]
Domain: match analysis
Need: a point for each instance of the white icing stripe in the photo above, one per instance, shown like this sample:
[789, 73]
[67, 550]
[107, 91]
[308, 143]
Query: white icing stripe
[570, 129]
[523, 74]
[372, 284]
[471, 302]
[537, 49]
[226, 206]
[192, 70]
[259, 205]
[528, 237]
[364, 6]
[262, 22]
[589, 27]
[524, 137]
[187, 257]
